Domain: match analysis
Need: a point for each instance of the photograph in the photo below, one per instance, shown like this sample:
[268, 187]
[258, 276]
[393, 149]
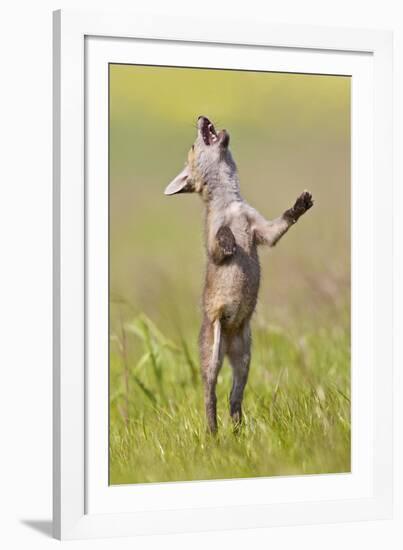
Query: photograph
[229, 274]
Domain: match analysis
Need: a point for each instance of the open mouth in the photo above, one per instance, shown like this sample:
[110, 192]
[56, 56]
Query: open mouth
[210, 135]
[208, 132]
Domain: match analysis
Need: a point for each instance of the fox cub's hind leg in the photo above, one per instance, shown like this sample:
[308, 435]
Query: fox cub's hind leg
[211, 355]
[239, 356]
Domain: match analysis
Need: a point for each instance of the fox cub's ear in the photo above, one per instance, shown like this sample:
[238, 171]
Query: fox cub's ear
[181, 184]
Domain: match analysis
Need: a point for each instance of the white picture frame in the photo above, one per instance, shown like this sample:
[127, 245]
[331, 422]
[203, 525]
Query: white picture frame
[84, 505]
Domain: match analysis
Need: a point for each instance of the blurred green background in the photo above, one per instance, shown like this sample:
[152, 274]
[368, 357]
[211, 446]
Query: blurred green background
[289, 132]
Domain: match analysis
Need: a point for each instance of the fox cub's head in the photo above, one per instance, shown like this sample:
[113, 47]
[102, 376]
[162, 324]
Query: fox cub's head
[209, 164]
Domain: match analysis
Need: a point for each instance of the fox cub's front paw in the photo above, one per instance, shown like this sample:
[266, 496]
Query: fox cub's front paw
[226, 240]
[303, 203]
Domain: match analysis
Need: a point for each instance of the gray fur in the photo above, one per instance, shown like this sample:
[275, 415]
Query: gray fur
[233, 231]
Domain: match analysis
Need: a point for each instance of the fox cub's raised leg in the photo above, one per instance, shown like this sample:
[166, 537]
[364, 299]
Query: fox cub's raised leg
[211, 357]
[270, 232]
[303, 203]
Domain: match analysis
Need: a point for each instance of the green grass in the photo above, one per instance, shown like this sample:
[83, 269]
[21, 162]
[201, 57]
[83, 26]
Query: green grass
[296, 408]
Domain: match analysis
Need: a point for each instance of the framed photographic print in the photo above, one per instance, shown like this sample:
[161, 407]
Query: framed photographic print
[223, 279]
